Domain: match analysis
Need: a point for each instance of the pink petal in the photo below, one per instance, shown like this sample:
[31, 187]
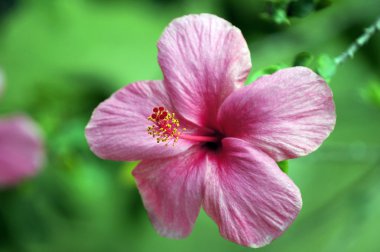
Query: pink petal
[21, 151]
[287, 114]
[118, 127]
[248, 196]
[171, 190]
[203, 58]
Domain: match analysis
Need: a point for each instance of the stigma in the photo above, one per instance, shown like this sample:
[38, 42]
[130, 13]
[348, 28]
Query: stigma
[165, 127]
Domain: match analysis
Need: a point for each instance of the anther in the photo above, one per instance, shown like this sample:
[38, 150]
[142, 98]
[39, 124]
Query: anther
[165, 126]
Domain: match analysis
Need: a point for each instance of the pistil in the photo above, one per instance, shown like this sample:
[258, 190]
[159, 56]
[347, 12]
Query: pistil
[199, 138]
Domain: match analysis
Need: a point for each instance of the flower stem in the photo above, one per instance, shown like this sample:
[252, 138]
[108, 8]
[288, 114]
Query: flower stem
[359, 42]
[199, 138]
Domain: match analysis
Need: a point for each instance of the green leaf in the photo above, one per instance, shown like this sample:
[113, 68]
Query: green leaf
[371, 93]
[301, 8]
[276, 12]
[303, 59]
[326, 67]
[321, 4]
[279, 11]
[284, 166]
[265, 71]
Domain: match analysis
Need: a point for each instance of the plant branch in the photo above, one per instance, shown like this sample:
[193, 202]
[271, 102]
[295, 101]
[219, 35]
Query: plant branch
[359, 42]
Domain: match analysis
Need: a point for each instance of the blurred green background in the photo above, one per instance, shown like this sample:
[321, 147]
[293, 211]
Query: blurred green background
[62, 57]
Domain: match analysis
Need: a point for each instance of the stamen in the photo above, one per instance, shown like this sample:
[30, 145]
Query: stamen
[165, 128]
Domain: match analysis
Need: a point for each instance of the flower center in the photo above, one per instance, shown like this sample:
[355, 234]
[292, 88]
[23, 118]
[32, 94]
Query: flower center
[216, 144]
[166, 128]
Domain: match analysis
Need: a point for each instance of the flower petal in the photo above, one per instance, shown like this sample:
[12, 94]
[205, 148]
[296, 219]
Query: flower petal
[21, 151]
[118, 127]
[248, 196]
[203, 59]
[171, 190]
[287, 114]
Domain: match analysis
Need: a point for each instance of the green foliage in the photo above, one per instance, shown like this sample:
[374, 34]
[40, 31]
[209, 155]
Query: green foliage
[280, 11]
[126, 173]
[276, 12]
[284, 166]
[301, 8]
[371, 93]
[321, 4]
[303, 59]
[326, 67]
[265, 71]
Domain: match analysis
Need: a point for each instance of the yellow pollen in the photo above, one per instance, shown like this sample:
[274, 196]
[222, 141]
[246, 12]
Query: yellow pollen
[165, 126]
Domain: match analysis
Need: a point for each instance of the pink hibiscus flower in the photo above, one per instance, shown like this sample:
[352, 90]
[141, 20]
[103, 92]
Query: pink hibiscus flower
[225, 159]
[21, 151]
